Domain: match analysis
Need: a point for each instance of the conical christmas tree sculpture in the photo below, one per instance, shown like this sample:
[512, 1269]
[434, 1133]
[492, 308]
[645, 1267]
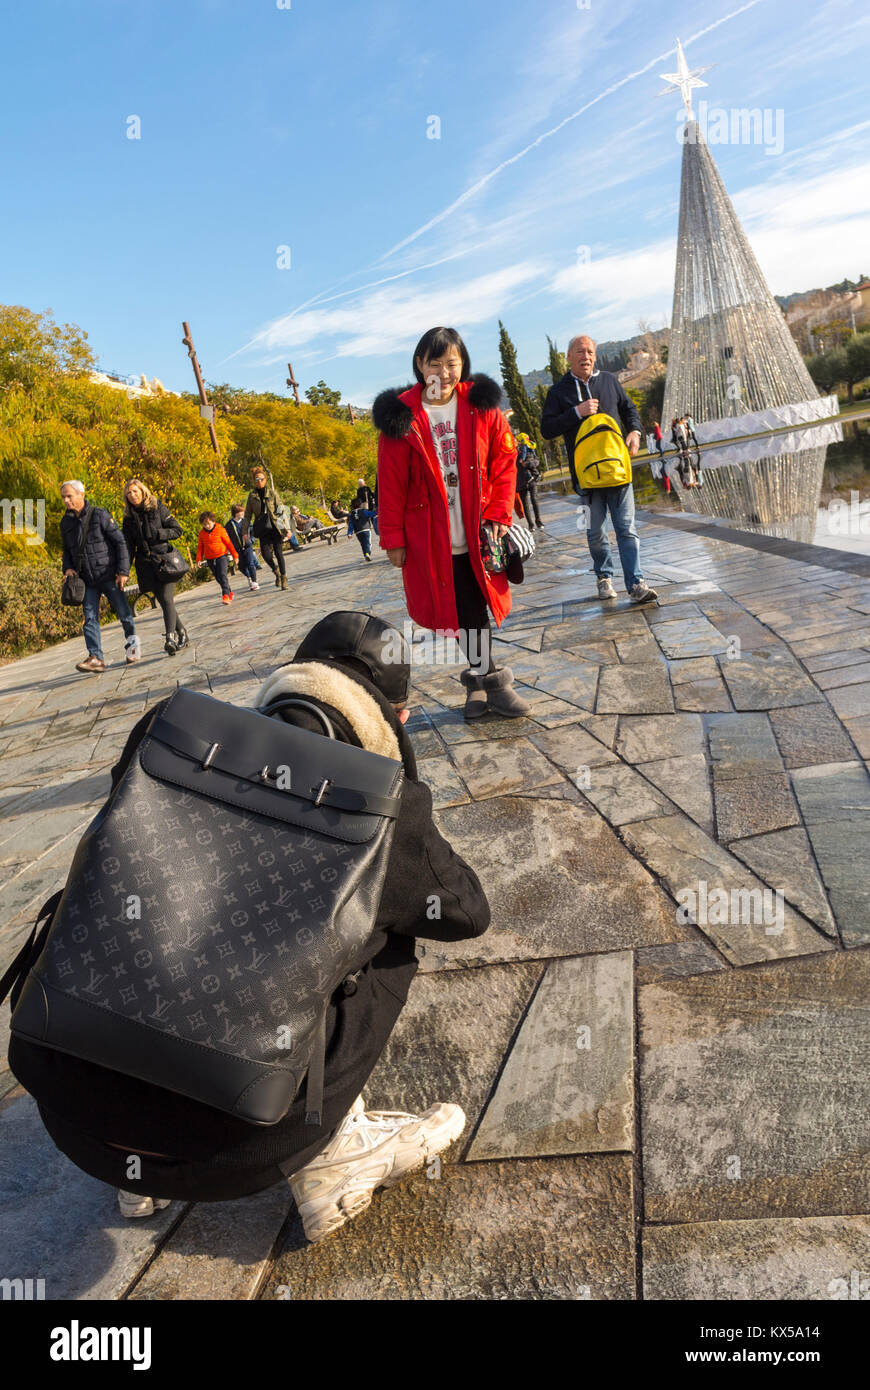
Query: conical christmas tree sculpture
[730, 353]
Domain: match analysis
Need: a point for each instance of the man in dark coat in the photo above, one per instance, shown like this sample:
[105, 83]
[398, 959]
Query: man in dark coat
[347, 665]
[104, 567]
[584, 391]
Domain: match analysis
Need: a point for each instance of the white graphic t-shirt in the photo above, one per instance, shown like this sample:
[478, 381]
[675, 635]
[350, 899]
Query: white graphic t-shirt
[442, 422]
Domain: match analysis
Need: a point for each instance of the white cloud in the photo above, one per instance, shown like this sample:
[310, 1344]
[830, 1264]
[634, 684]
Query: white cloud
[392, 318]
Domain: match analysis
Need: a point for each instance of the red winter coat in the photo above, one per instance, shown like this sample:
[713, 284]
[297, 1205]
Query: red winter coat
[412, 500]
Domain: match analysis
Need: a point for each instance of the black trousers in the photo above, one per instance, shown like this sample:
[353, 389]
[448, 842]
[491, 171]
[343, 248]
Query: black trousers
[475, 633]
[165, 596]
[219, 567]
[529, 499]
[272, 551]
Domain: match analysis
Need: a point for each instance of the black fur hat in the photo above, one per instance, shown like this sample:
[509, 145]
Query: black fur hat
[393, 417]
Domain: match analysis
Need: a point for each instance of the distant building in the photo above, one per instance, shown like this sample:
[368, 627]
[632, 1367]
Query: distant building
[146, 388]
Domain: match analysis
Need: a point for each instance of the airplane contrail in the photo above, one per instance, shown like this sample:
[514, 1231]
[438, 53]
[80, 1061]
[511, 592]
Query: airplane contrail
[548, 134]
[326, 295]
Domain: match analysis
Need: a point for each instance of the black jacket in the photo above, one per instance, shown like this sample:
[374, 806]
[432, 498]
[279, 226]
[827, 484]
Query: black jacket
[366, 497]
[528, 467]
[214, 1156]
[560, 417]
[148, 532]
[105, 553]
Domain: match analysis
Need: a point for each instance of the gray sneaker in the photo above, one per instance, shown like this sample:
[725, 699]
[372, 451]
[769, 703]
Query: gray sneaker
[606, 589]
[642, 593]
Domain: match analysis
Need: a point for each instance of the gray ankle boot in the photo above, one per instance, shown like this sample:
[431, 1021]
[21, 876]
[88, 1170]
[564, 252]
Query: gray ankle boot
[475, 695]
[501, 698]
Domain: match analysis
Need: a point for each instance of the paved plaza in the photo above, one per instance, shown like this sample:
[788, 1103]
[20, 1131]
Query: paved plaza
[661, 1104]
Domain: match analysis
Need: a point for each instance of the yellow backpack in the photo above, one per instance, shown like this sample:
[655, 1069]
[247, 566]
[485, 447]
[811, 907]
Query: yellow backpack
[601, 458]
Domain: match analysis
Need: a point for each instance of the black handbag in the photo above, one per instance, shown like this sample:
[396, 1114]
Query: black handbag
[72, 594]
[228, 886]
[170, 567]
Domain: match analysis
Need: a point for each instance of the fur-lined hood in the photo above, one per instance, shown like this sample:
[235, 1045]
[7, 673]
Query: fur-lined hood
[326, 684]
[393, 411]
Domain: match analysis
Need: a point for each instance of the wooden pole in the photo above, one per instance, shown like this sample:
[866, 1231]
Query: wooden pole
[187, 340]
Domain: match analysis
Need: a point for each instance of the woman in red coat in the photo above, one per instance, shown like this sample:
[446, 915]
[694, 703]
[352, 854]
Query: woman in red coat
[446, 463]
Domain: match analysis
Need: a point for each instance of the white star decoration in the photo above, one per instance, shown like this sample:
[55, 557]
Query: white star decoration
[682, 80]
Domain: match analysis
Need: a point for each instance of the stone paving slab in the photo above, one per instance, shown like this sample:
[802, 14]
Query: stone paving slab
[621, 794]
[812, 1259]
[741, 746]
[559, 883]
[541, 1229]
[851, 701]
[753, 805]
[451, 1039]
[786, 1133]
[222, 1250]
[495, 767]
[684, 857]
[643, 688]
[784, 859]
[810, 734]
[835, 803]
[757, 681]
[443, 781]
[646, 738]
[567, 1085]
[61, 1225]
[692, 637]
[654, 963]
[685, 781]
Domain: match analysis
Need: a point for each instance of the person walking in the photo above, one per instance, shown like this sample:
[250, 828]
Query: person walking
[215, 547]
[659, 439]
[585, 391]
[359, 525]
[365, 495]
[528, 476]
[94, 549]
[149, 528]
[244, 545]
[267, 521]
[446, 486]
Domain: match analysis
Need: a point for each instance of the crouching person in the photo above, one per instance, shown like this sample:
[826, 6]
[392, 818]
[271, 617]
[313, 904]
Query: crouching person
[342, 669]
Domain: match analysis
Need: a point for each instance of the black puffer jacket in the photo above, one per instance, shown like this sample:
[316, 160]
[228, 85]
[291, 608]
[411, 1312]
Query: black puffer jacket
[105, 553]
[211, 1156]
[148, 533]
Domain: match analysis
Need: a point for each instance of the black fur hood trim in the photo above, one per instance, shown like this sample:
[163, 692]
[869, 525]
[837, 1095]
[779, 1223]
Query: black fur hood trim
[392, 416]
[485, 394]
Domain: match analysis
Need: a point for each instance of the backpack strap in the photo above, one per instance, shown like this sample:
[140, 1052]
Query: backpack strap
[316, 1067]
[31, 948]
[229, 760]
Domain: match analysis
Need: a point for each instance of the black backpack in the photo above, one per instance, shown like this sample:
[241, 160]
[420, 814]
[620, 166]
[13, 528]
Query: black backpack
[224, 891]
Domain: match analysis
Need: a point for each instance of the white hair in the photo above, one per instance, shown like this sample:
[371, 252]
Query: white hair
[578, 336]
[74, 483]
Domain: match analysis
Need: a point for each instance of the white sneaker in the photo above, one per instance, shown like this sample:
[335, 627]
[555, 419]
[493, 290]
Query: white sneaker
[370, 1149]
[135, 1204]
[253, 585]
[642, 593]
[606, 589]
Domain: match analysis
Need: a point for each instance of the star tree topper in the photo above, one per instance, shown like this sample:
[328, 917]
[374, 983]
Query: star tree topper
[683, 81]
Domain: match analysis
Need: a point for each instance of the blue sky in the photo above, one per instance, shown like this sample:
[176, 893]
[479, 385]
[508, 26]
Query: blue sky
[266, 127]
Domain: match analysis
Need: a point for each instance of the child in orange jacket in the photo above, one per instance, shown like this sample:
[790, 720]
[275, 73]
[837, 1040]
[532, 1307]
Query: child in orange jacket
[215, 547]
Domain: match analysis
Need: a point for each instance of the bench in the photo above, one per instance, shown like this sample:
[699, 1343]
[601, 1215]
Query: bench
[330, 534]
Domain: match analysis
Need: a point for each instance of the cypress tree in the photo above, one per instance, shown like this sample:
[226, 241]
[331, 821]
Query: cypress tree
[558, 363]
[525, 417]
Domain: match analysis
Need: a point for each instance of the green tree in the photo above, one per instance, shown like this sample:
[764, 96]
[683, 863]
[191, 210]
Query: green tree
[321, 394]
[35, 351]
[857, 355]
[524, 417]
[558, 362]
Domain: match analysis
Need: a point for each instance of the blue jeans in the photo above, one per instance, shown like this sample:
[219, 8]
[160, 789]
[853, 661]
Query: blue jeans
[365, 540]
[119, 605]
[248, 562]
[619, 502]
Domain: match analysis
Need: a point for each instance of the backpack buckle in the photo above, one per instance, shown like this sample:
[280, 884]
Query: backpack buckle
[207, 760]
[321, 790]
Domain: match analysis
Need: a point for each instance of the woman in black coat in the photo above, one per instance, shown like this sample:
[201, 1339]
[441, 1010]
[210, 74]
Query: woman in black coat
[149, 528]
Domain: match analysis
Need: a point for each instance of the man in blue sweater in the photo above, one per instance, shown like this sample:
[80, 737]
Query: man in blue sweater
[584, 391]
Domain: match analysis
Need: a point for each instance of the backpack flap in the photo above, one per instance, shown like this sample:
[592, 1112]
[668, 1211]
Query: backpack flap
[231, 883]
